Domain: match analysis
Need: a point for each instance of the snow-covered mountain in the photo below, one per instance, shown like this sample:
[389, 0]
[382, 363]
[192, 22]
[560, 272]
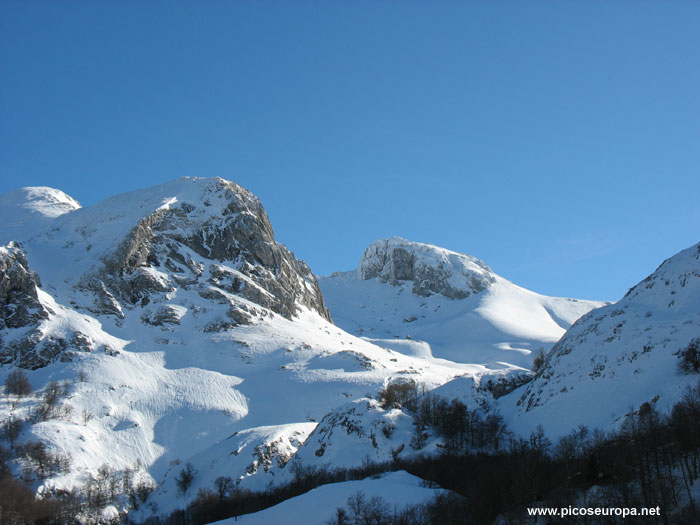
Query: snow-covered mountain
[454, 303]
[441, 307]
[166, 330]
[180, 332]
[615, 359]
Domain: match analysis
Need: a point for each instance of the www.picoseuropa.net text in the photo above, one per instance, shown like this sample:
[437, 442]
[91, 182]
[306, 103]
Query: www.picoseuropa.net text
[624, 512]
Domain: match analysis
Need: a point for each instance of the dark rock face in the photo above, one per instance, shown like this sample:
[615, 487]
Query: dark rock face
[21, 313]
[19, 303]
[104, 303]
[164, 315]
[175, 246]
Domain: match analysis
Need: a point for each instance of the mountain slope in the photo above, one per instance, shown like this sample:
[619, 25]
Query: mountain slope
[618, 357]
[183, 336]
[318, 506]
[29, 210]
[179, 331]
[453, 302]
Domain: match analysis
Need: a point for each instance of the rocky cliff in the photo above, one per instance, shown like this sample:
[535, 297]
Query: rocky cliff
[19, 303]
[229, 234]
[432, 270]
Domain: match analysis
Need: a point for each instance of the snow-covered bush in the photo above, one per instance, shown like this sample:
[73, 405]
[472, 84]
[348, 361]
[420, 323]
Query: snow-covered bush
[538, 361]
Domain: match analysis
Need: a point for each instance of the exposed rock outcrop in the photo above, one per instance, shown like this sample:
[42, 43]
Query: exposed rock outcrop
[432, 270]
[164, 315]
[19, 303]
[21, 314]
[176, 244]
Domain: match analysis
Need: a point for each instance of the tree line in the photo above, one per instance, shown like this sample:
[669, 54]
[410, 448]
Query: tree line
[652, 460]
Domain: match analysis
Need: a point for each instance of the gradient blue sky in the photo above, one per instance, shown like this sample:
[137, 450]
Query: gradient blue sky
[559, 141]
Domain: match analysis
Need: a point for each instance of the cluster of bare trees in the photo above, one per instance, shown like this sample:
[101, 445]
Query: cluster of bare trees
[461, 429]
[360, 509]
[107, 486]
[690, 357]
[38, 461]
[653, 460]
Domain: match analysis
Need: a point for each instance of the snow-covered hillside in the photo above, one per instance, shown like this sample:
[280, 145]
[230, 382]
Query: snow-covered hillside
[29, 210]
[454, 303]
[617, 358]
[396, 490]
[179, 332]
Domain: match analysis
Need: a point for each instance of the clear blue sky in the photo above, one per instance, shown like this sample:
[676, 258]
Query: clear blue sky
[558, 141]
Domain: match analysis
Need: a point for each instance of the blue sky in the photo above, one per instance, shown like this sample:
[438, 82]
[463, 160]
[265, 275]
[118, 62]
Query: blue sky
[558, 141]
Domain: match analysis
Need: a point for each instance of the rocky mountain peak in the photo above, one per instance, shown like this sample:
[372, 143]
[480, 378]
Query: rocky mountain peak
[431, 269]
[204, 233]
[198, 251]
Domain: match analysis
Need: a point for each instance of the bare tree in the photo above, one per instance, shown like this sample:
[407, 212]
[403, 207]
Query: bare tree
[18, 384]
[224, 485]
[185, 478]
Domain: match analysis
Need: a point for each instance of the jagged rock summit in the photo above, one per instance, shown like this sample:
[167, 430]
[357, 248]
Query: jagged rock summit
[190, 220]
[432, 270]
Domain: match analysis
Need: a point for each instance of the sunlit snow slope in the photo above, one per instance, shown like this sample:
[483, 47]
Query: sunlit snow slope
[318, 506]
[29, 210]
[617, 358]
[455, 304]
